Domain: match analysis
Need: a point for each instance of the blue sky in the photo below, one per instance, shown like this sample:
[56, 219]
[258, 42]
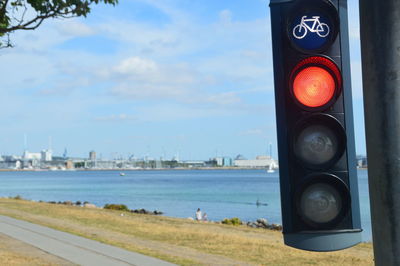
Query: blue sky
[151, 77]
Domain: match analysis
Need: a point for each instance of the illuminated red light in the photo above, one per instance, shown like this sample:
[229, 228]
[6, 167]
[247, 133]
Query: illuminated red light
[313, 84]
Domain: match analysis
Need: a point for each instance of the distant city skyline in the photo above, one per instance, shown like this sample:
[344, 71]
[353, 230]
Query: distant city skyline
[151, 77]
[115, 155]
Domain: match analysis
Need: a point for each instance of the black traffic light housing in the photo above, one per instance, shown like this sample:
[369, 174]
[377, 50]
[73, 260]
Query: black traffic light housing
[318, 178]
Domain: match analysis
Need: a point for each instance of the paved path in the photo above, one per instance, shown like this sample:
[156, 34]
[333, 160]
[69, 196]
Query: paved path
[73, 248]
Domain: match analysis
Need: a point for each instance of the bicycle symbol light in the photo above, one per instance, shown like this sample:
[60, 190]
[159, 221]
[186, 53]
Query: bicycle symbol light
[301, 30]
[311, 30]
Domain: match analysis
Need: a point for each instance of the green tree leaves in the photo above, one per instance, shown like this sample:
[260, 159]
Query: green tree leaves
[13, 13]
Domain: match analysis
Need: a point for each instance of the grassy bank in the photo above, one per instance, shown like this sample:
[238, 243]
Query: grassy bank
[17, 253]
[180, 241]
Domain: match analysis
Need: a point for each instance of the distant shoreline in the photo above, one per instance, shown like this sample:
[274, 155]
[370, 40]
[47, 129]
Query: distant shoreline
[144, 169]
[138, 169]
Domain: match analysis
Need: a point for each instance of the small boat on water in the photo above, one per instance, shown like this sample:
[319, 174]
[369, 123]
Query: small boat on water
[122, 174]
[271, 165]
[270, 169]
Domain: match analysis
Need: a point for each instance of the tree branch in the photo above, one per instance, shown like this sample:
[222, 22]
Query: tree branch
[12, 18]
[3, 8]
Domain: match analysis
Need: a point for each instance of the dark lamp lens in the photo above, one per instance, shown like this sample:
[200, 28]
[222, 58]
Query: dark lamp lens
[314, 86]
[320, 203]
[316, 145]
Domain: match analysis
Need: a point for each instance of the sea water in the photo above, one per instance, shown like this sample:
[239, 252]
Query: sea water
[247, 194]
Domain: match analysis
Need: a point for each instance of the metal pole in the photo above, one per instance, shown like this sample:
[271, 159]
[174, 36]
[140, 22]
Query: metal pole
[380, 47]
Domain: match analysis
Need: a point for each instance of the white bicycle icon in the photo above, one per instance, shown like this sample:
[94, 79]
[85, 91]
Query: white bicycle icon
[301, 30]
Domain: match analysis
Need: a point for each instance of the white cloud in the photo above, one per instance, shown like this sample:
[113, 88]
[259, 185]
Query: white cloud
[47, 36]
[356, 78]
[116, 118]
[252, 132]
[140, 91]
[168, 8]
[172, 112]
[354, 32]
[225, 16]
[181, 62]
[354, 21]
[136, 66]
[226, 98]
[142, 78]
[145, 79]
[74, 28]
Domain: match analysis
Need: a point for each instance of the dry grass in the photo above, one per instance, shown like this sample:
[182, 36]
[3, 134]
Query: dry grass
[180, 241]
[14, 252]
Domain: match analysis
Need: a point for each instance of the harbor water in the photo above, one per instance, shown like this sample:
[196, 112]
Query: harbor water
[247, 194]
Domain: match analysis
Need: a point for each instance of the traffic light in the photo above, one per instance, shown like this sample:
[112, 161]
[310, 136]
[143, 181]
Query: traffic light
[318, 178]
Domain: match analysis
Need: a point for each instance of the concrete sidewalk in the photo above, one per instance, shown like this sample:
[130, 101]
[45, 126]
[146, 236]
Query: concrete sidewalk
[73, 248]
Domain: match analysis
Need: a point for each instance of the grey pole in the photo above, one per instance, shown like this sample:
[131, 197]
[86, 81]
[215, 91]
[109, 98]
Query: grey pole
[380, 47]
